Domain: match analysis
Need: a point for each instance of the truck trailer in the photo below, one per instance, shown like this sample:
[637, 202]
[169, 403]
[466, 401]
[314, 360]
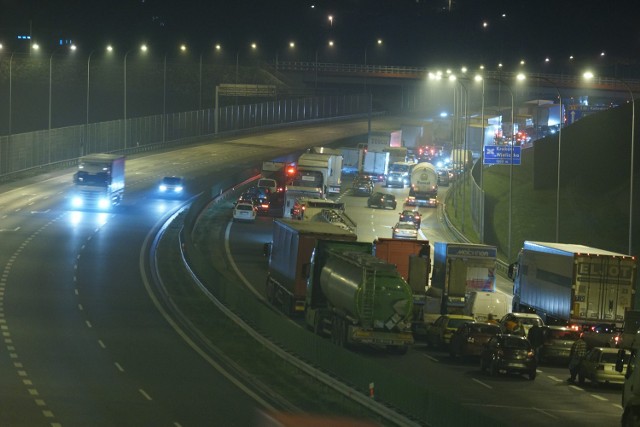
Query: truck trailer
[289, 258]
[575, 284]
[375, 165]
[355, 298]
[320, 170]
[412, 259]
[99, 181]
[459, 269]
[424, 185]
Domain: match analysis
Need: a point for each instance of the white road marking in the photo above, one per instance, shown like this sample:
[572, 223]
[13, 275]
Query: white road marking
[482, 384]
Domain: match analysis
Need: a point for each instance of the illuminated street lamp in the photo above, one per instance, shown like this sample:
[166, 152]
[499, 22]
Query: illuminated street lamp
[378, 43]
[72, 48]
[522, 77]
[588, 76]
[143, 48]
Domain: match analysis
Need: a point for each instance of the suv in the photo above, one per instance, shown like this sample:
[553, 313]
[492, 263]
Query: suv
[382, 200]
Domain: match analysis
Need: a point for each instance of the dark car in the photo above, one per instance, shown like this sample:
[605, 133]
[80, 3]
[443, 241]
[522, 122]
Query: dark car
[411, 216]
[469, 339]
[171, 186]
[362, 186]
[510, 354]
[443, 177]
[382, 200]
[557, 342]
[397, 179]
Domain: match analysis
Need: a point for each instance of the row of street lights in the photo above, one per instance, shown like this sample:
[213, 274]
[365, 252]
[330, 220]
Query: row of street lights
[521, 77]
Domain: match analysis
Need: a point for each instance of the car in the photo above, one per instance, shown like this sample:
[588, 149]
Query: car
[468, 340]
[396, 179]
[443, 177]
[382, 201]
[522, 322]
[404, 230]
[599, 366]
[557, 342]
[171, 185]
[362, 186]
[438, 333]
[244, 211]
[510, 354]
[411, 216]
[258, 192]
[603, 335]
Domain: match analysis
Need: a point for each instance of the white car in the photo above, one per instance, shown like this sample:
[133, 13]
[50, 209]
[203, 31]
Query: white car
[405, 230]
[244, 211]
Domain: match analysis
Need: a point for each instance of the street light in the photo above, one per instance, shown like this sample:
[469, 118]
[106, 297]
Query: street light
[522, 77]
[109, 49]
[143, 48]
[71, 48]
[379, 43]
[588, 76]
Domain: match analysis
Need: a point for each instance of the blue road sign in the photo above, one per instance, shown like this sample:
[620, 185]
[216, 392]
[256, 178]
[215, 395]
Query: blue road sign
[501, 155]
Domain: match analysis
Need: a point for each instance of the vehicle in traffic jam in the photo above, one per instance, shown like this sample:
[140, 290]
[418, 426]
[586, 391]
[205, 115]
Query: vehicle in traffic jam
[439, 333]
[469, 339]
[382, 201]
[362, 186]
[411, 216]
[443, 177]
[244, 211]
[509, 354]
[404, 230]
[599, 366]
[396, 179]
[519, 323]
[557, 342]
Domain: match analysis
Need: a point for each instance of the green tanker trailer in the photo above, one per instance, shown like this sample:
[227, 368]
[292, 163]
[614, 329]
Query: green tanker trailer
[356, 298]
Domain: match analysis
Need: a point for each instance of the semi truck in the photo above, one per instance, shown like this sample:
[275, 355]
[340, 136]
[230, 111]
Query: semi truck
[320, 170]
[571, 283]
[424, 186]
[289, 257]
[412, 259]
[375, 165]
[355, 298]
[99, 181]
[293, 197]
[459, 269]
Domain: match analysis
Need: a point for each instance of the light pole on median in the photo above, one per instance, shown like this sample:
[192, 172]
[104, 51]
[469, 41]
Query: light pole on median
[143, 48]
[588, 75]
[71, 48]
[522, 77]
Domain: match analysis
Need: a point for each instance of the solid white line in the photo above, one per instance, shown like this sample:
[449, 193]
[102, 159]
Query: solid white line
[482, 384]
[576, 388]
[431, 358]
[546, 413]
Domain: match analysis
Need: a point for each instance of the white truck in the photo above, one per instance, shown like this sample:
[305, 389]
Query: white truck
[320, 170]
[294, 197]
[375, 165]
[424, 186]
[575, 284]
[99, 181]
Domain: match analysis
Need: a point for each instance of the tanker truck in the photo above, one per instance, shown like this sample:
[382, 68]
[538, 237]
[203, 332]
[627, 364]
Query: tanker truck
[289, 256]
[355, 298]
[424, 186]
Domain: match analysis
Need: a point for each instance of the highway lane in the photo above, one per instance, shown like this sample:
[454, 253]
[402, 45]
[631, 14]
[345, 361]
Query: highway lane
[548, 400]
[83, 344]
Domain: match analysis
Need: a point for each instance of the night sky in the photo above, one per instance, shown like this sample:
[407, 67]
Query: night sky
[414, 32]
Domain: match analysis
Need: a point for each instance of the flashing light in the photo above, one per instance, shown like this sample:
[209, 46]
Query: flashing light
[291, 170]
[163, 187]
[104, 203]
[76, 202]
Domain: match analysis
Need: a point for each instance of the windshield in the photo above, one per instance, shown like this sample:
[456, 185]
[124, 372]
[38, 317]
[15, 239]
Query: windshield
[456, 323]
[513, 342]
[553, 334]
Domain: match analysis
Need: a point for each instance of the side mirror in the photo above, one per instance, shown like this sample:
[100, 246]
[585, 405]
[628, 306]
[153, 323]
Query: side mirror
[622, 356]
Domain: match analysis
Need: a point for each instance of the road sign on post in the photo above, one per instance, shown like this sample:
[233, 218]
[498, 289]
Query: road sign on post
[501, 155]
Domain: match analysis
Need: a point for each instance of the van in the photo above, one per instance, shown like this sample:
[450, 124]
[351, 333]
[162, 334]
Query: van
[480, 304]
[268, 183]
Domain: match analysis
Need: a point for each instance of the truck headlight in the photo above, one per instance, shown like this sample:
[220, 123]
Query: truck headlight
[76, 201]
[104, 203]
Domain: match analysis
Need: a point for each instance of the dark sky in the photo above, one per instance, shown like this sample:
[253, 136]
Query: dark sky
[414, 32]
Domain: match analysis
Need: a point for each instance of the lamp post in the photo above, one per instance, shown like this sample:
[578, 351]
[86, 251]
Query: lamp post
[522, 77]
[378, 42]
[72, 48]
[588, 76]
[143, 48]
